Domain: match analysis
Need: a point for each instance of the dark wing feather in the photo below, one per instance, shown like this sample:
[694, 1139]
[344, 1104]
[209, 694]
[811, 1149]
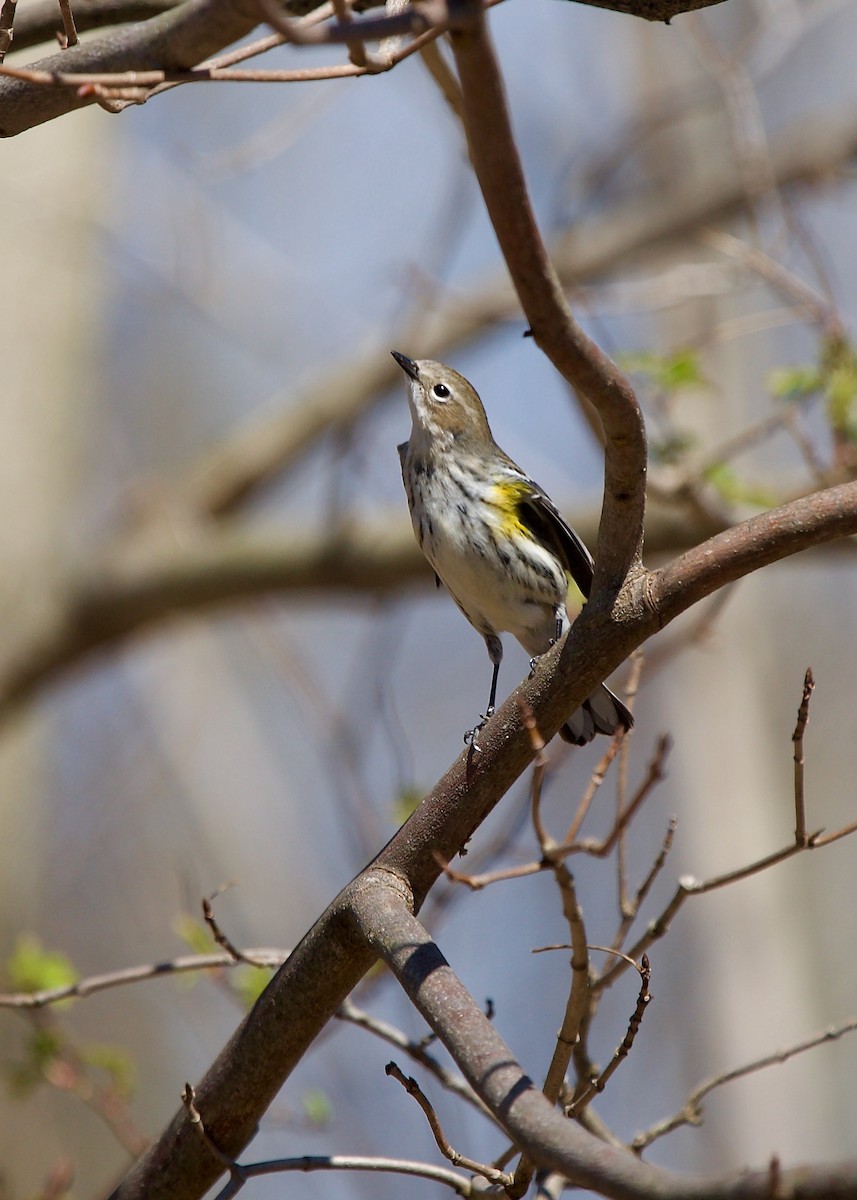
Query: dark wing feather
[537, 512]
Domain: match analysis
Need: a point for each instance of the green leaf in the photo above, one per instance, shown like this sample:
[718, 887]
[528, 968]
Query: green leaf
[115, 1061]
[841, 392]
[668, 372]
[32, 968]
[194, 933]
[317, 1107]
[793, 383]
[406, 803]
[249, 982]
[42, 1048]
[673, 450]
[732, 489]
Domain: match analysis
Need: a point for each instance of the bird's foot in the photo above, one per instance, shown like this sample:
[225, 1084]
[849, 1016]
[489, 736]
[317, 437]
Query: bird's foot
[472, 734]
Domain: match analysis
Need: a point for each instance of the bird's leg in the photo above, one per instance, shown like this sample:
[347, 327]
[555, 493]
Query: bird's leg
[492, 699]
[495, 653]
[534, 662]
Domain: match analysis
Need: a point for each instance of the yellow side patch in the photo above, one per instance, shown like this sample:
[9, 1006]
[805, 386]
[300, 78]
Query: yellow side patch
[504, 497]
[575, 599]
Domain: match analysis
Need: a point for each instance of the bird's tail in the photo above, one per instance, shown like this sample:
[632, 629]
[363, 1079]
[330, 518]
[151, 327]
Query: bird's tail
[601, 712]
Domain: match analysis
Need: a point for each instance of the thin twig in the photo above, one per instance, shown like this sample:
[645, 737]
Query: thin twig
[456, 1084]
[216, 932]
[188, 1100]
[352, 1162]
[654, 775]
[688, 886]
[622, 788]
[801, 836]
[458, 1160]
[596, 1086]
[691, 1113]
[174, 966]
[69, 35]
[643, 890]
[595, 782]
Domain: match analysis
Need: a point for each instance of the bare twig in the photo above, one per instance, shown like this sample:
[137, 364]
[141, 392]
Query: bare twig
[688, 886]
[691, 1113]
[216, 932]
[801, 836]
[590, 372]
[622, 786]
[595, 782]
[596, 1086]
[174, 966]
[353, 1015]
[195, 1118]
[654, 775]
[458, 1160]
[628, 917]
[69, 35]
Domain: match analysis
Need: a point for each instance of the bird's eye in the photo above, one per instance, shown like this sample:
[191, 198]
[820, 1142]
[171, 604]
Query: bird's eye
[441, 391]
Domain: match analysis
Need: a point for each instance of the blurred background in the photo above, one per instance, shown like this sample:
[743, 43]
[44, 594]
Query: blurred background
[219, 276]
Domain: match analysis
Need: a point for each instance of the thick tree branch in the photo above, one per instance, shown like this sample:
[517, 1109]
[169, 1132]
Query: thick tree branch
[198, 29]
[38, 20]
[133, 587]
[174, 40]
[765, 539]
[334, 955]
[531, 1122]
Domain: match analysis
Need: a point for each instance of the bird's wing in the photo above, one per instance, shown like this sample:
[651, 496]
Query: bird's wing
[538, 513]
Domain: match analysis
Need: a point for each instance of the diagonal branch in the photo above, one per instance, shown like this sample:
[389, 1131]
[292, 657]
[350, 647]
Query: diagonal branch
[523, 1112]
[767, 538]
[174, 40]
[332, 958]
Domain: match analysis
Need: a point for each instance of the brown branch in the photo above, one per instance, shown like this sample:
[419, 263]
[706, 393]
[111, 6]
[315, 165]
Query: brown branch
[801, 836]
[553, 1142]
[240, 1173]
[217, 933]
[174, 40]
[352, 1015]
[251, 457]
[587, 369]
[753, 544]
[69, 35]
[174, 966]
[691, 1112]
[597, 1086]
[458, 1160]
[7, 20]
[629, 912]
[689, 886]
[344, 942]
[135, 586]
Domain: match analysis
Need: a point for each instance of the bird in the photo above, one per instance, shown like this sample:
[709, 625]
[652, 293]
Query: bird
[493, 537]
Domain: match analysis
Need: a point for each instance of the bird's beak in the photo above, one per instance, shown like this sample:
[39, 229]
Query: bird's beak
[407, 364]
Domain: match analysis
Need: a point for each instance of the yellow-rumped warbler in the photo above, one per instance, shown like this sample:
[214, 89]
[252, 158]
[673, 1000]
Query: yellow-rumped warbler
[494, 539]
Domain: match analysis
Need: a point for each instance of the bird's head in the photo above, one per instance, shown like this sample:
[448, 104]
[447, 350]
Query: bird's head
[445, 408]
